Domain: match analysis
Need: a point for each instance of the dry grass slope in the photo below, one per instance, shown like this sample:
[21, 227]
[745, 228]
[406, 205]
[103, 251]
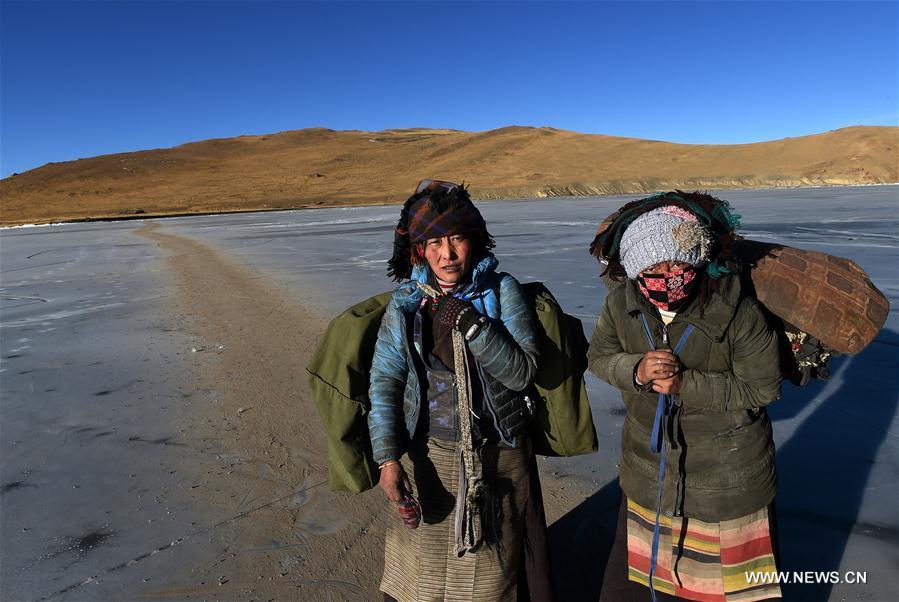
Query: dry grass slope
[320, 167]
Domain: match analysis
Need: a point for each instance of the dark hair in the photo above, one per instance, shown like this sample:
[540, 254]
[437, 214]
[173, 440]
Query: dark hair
[441, 200]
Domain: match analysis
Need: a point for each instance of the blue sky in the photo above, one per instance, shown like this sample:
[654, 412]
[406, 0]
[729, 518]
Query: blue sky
[81, 79]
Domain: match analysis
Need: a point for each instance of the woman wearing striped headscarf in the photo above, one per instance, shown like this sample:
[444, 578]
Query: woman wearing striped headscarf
[456, 350]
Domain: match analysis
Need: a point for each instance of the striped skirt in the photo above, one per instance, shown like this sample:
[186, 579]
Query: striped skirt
[421, 564]
[702, 561]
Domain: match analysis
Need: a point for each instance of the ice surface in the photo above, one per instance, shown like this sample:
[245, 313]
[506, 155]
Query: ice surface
[84, 298]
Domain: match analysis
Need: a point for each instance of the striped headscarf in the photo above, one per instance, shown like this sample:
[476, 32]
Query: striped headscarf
[429, 219]
[436, 209]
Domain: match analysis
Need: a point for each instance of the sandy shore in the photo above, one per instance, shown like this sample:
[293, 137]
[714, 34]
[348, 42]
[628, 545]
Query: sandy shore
[260, 343]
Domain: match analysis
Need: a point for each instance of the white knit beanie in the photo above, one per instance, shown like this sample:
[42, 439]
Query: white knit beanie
[665, 234]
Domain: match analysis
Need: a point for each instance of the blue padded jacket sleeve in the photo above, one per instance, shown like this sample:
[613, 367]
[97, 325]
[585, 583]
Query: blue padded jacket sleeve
[507, 348]
[387, 383]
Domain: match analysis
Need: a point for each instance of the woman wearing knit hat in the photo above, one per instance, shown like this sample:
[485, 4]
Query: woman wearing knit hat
[456, 350]
[696, 363]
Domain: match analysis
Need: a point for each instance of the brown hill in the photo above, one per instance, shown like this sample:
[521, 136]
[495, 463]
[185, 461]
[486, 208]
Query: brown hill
[319, 167]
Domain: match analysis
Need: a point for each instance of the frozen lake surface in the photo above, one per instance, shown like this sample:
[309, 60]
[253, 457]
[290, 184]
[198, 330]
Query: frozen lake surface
[82, 333]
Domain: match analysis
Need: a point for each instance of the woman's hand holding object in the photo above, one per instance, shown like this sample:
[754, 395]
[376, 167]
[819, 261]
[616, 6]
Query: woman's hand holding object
[394, 481]
[398, 489]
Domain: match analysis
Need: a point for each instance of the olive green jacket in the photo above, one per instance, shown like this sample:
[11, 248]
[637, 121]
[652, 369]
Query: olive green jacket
[721, 463]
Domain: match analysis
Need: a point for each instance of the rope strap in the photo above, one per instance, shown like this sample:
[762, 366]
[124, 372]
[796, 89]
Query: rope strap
[468, 517]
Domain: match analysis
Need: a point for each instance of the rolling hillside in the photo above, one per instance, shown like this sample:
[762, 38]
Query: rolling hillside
[319, 167]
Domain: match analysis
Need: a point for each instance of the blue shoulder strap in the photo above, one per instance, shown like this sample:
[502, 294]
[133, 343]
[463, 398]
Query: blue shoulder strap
[657, 445]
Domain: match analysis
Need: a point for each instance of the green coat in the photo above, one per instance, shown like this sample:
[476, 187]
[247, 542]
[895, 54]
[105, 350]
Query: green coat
[722, 463]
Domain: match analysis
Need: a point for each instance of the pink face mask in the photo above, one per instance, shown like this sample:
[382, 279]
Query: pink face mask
[669, 291]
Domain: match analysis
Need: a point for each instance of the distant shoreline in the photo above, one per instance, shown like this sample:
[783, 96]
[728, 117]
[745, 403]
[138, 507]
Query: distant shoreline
[313, 168]
[142, 216]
